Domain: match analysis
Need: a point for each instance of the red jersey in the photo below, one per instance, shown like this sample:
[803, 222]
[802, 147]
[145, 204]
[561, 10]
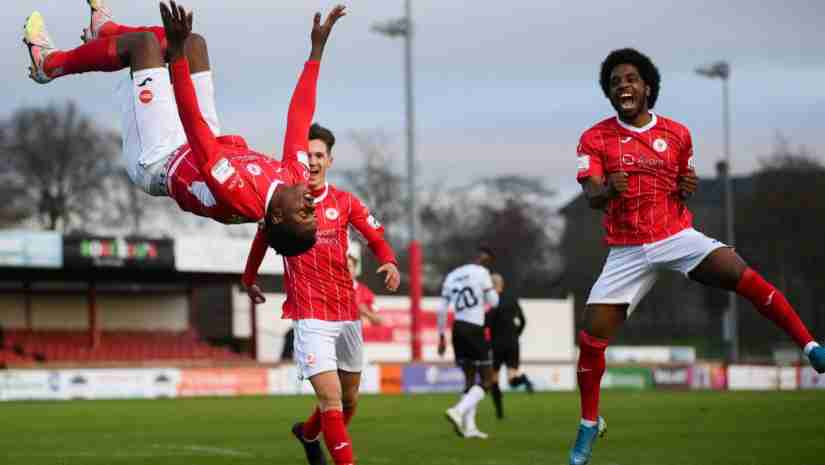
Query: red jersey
[653, 157]
[220, 177]
[363, 295]
[318, 283]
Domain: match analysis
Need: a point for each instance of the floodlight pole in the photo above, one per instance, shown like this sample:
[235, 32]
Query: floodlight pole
[721, 70]
[403, 27]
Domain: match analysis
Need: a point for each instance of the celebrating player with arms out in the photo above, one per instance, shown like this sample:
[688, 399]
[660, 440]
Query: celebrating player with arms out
[321, 299]
[177, 152]
[638, 168]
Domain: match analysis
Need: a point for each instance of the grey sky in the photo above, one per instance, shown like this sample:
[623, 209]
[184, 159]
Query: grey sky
[501, 87]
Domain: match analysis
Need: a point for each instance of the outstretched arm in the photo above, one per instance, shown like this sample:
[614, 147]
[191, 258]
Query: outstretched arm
[302, 105]
[253, 263]
[178, 26]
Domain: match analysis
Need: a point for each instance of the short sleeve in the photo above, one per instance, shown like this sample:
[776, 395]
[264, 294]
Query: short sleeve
[589, 160]
[686, 162]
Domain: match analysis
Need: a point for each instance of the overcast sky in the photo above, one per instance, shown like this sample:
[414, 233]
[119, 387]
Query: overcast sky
[501, 87]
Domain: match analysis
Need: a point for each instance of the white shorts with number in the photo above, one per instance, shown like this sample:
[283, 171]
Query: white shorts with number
[151, 126]
[630, 271]
[328, 346]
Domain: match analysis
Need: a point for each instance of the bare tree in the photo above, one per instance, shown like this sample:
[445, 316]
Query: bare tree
[382, 191]
[512, 214]
[375, 182]
[56, 162]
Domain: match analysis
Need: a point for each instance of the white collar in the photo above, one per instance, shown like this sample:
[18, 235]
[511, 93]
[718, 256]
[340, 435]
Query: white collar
[269, 194]
[321, 197]
[653, 120]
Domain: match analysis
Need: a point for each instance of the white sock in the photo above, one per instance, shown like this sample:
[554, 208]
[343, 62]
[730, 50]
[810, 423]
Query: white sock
[473, 397]
[589, 423]
[809, 347]
[469, 419]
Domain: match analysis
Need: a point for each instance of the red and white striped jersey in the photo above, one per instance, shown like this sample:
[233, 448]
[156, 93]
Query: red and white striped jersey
[318, 284]
[654, 157]
[220, 177]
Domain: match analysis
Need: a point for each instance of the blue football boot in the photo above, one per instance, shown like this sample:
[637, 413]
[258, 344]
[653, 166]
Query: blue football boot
[817, 358]
[583, 448]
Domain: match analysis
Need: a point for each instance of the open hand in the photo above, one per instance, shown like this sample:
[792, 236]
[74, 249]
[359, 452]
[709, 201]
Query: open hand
[687, 184]
[442, 345]
[617, 182]
[320, 32]
[255, 294]
[178, 26]
[393, 278]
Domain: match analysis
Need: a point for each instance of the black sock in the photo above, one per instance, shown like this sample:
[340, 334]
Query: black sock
[496, 395]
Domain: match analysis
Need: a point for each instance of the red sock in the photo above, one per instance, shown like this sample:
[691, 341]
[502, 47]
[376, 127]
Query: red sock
[590, 370]
[312, 427]
[114, 29]
[336, 437]
[773, 305]
[96, 55]
[348, 414]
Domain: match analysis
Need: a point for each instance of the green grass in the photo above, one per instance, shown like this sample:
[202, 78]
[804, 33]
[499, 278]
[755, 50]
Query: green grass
[649, 428]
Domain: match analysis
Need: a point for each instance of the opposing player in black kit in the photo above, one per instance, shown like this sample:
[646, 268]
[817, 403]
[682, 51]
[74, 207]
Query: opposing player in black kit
[506, 323]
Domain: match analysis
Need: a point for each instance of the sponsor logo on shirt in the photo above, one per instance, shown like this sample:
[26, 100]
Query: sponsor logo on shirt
[222, 170]
[642, 161]
[146, 96]
[583, 162]
[659, 145]
[253, 169]
[331, 214]
[373, 222]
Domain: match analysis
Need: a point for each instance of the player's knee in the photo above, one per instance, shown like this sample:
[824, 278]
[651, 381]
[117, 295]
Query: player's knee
[330, 403]
[329, 400]
[350, 402]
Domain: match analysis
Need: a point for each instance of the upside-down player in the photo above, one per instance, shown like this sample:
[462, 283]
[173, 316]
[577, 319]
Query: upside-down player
[638, 168]
[170, 129]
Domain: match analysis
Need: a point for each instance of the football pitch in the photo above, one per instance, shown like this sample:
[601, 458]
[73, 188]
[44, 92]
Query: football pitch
[644, 428]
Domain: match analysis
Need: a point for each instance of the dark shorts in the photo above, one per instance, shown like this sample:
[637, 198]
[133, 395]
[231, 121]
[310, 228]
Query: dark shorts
[470, 346]
[506, 355]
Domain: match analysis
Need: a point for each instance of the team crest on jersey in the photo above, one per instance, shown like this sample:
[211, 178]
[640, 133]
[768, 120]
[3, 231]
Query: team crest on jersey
[253, 169]
[373, 222]
[691, 164]
[310, 359]
[222, 170]
[659, 145]
[331, 214]
[146, 96]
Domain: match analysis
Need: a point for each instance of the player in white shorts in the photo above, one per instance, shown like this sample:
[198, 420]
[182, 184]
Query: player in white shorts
[171, 134]
[637, 167]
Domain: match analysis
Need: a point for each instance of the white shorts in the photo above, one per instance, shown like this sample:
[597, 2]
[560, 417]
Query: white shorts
[630, 271]
[151, 126]
[322, 346]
